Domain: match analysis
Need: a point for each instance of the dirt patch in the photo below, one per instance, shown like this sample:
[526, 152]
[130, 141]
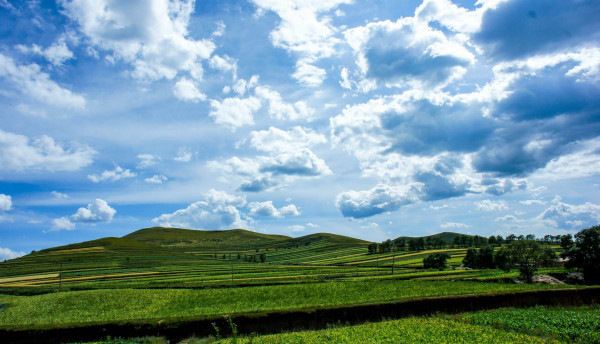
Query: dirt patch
[546, 279]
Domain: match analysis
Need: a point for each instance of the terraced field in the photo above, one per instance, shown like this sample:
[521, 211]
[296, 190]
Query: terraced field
[161, 274]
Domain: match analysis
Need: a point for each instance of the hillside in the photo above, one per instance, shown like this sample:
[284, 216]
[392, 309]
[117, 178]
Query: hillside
[447, 236]
[164, 236]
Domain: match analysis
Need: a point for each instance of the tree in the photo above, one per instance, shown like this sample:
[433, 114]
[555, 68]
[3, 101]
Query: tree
[566, 241]
[471, 258]
[486, 258]
[482, 259]
[527, 256]
[585, 254]
[436, 261]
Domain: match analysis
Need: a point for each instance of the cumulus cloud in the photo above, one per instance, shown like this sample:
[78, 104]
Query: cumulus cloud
[218, 210]
[234, 112]
[114, 175]
[57, 53]
[489, 205]
[282, 110]
[99, 211]
[267, 209]
[545, 113]
[62, 223]
[568, 216]
[533, 202]
[257, 184]
[408, 50]
[224, 64]
[289, 158]
[309, 75]
[277, 140]
[521, 28]
[156, 179]
[302, 162]
[18, 152]
[305, 31]
[32, 82]
[380, 199]
[96, 212]
[187, 90]
[150, 35]
[7, 253]
[5, 202]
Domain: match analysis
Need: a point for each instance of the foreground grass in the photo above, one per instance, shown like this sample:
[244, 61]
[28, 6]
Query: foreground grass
[411, 330]
[580, 324]
[93, 306]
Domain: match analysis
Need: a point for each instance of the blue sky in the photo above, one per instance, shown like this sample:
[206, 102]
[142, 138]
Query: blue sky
[372, 119]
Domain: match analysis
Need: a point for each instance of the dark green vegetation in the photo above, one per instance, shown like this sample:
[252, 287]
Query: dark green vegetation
[526, 325]
[162, 275]
[585, 253]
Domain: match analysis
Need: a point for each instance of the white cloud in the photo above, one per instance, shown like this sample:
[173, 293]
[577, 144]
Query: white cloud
[533, 202]
[5, 202]
[282, 110]
[114, 175]
[303, 30]
[297, 228]
[147, 160]
[489, 205]
[7, 253]
[309, 75]
[156, 179]
[56, 54]
[150, 35]
[234, 112]
[302, 162]
[568, 216]
[218, 210]
[277, 140]
[267, 209]
[241, 86]
[184, 154]
[62, 223]
[99, 211]
[32, 82]
[289, 158]
[454, 225]
[59, 195]
[187, 90]
[224, 64]
[508, 218]
[408, 51]
[18, 153]
[380, 199]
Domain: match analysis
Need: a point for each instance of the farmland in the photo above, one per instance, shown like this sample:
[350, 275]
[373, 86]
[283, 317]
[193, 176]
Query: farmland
[165, 275]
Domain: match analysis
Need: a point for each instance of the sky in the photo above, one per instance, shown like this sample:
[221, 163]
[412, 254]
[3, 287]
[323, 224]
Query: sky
[373, 119]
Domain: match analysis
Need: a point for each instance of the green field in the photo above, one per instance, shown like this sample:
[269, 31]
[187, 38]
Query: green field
[169, 274]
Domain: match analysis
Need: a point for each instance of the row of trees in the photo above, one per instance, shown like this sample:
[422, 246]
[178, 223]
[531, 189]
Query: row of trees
[527, 256]
[463, 241]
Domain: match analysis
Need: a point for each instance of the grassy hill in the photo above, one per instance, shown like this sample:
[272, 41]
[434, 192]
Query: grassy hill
[447, 236]
[164, 236]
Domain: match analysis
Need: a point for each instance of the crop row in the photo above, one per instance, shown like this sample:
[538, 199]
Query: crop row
[109, 305]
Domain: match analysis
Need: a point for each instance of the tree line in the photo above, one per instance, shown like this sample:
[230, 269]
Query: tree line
[527, 255]
[462, 241]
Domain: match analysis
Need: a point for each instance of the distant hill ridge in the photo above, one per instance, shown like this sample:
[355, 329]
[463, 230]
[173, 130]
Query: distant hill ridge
[157, 237]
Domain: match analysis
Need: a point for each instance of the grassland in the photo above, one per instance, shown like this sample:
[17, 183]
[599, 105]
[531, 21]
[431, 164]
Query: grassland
[164, 274]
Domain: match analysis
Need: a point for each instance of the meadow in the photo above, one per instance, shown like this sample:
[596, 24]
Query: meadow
[163, 275]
